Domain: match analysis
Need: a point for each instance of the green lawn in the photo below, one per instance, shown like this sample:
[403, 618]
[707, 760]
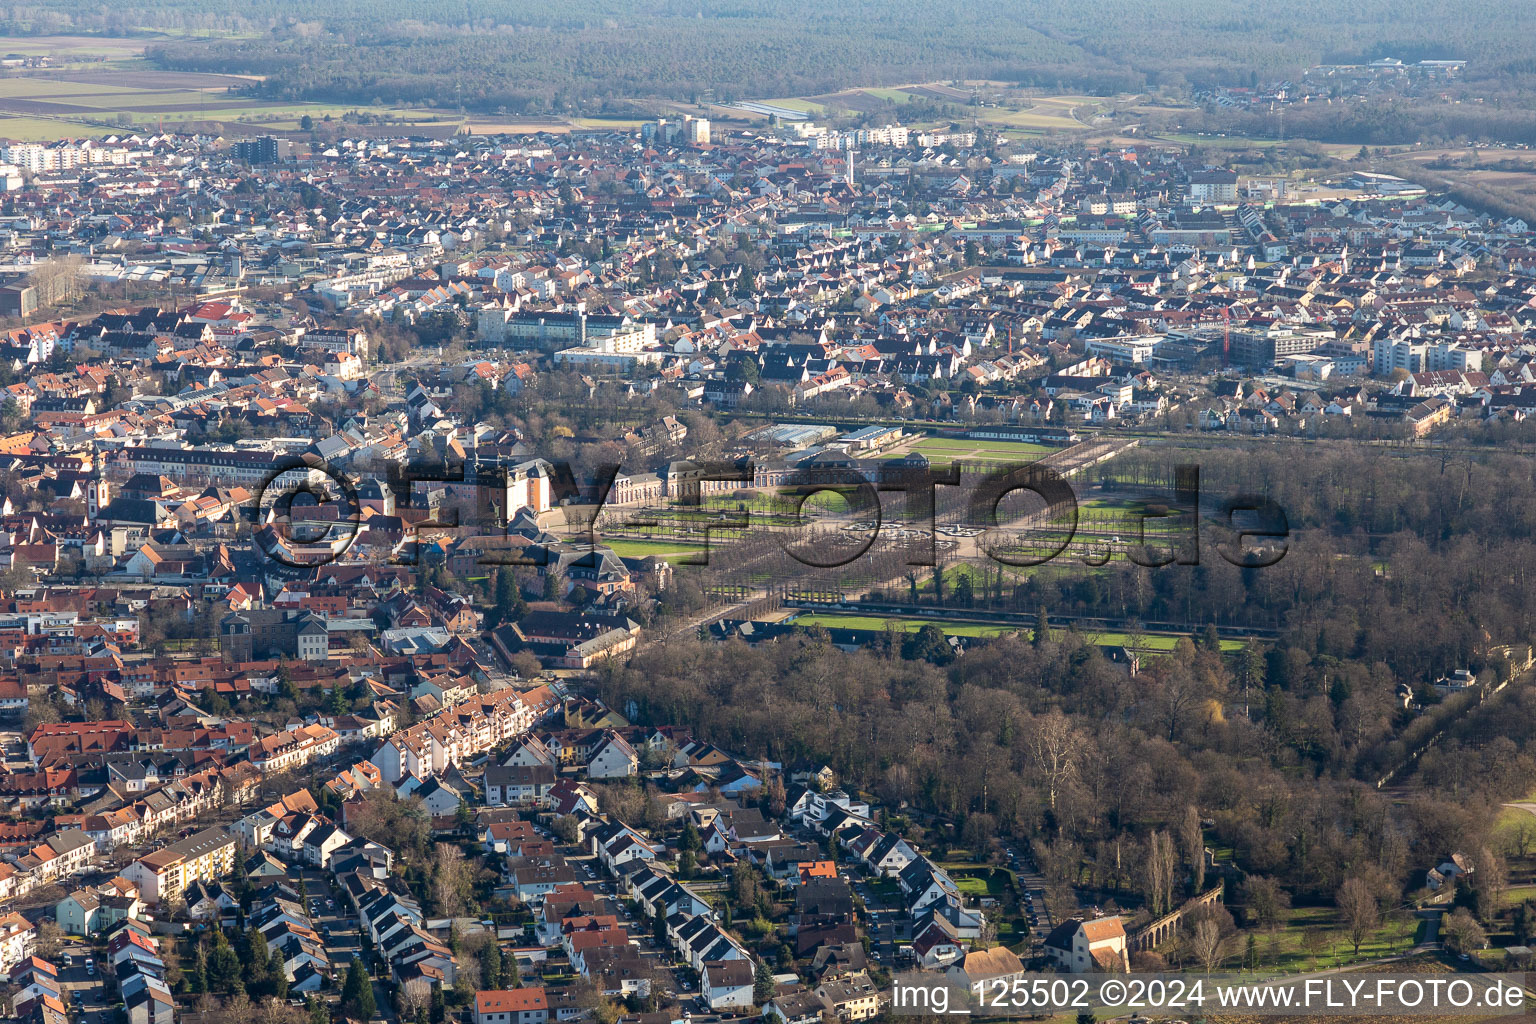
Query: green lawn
[995, 450]
[671, 551]
[873, 622]
[1155, 642]
[952, 575]
[781, 502]
[1110, 505]
[794, 103]
[980, 881]
[1150, 642]
[1510, 819]
[942, 453]
[1286, 950]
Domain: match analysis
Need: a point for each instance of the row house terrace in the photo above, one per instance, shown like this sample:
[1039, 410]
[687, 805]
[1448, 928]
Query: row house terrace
[454, 736]
[293, 749]
[60, 856]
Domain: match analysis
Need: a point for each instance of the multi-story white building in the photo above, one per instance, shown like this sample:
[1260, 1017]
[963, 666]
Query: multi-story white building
[165, 874]
[37, 157]
[1124, 349]
[1213, 187]
[197, 464]
[1390, 355]
[1451, 356]
[453, 736]
[18, 937]
[338, 340]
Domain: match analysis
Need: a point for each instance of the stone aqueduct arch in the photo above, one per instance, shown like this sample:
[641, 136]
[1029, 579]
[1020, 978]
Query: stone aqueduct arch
[1164, 928]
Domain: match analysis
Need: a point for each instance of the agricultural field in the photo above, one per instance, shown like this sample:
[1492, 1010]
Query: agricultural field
[1227, 141]
[1010, 110]
[40, 129]
[618, 124]
[1043, 117]
[1507, 170]
[78, 102]
[65, 49]
[889, 95]
[94, 90]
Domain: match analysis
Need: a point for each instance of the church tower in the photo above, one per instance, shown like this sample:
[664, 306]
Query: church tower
[97, 496]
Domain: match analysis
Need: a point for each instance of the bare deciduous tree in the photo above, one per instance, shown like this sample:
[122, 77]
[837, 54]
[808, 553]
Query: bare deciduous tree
[1192, 838]
[1053, 745]
[1162, 862]
[1267, 902]
[1206, 944]
[1524, 835]
[452, 879]
[238, 1009]
[1357, 906]
[1462, 932]
[1490, 880]
[49, 938]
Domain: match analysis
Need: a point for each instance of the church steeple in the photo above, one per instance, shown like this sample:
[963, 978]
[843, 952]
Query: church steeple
[97, 495]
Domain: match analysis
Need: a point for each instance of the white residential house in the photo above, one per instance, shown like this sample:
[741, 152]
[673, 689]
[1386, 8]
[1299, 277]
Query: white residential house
[727, 985]
[1097, 946]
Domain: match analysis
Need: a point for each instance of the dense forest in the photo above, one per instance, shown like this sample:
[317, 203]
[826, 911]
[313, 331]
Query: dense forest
[497, 54]
[1401, 568]
[1379, 122]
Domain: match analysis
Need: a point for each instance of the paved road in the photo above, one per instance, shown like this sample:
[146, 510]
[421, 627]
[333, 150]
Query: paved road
[339, 931]
[1528, 808]
[74, 978]
[1431, 918]
[1033, 885]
